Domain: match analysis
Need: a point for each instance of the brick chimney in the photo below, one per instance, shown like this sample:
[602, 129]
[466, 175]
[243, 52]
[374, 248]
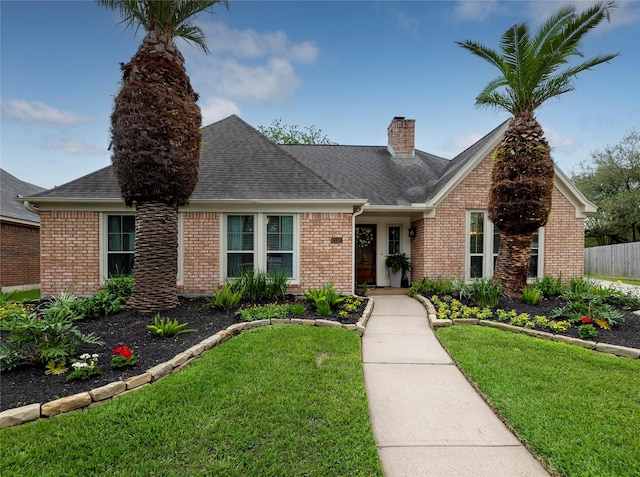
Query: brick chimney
[401, 133]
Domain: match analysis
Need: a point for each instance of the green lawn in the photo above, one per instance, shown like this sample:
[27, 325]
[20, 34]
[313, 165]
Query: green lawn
[275, 401]
[27, 295]
[628, 281]
[577, 409]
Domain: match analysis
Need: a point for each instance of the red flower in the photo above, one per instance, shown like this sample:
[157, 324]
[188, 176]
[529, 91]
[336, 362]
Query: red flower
[585, 319]
[123, 350]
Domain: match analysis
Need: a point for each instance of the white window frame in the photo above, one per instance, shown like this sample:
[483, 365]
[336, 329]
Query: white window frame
[260, 252]
[487, 254]
[388, 238]
[103, 230]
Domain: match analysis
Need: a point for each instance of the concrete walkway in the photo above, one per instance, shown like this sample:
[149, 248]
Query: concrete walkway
[428, 421]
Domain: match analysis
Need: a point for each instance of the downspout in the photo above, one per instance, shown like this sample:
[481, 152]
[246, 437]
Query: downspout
[31, 208]
[353, 246]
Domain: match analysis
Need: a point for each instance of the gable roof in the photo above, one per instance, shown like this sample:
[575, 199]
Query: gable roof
[237, 163]
[10, 188]
[373, 172]
[240, 164]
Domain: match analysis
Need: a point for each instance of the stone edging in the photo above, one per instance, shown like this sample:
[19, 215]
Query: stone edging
[98, 396]
[622, 351]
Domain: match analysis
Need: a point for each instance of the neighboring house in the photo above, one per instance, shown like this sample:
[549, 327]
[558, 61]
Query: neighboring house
[19, 236]
[322, 213]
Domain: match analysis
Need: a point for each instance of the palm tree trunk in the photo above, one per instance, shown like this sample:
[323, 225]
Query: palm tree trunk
[512, 266]
[156, 258]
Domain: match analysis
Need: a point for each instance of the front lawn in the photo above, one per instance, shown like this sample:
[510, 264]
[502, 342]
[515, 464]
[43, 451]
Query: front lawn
[279, 400]
[577, 409]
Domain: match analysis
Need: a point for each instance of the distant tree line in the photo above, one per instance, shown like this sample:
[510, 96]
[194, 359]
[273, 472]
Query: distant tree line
[611, 180]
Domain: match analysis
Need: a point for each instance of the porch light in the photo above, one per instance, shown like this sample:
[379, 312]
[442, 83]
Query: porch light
[412, 232]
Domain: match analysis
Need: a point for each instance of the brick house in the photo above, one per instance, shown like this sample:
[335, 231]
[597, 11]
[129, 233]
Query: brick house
[322, 213]
[19, 236]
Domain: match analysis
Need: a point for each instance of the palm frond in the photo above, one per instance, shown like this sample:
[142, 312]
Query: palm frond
[172, 17]
[530, 65]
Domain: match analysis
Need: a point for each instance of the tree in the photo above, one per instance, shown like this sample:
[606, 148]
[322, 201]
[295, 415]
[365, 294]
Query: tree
[155, 140]
[612, 182]
[533, 69]
[290, 134]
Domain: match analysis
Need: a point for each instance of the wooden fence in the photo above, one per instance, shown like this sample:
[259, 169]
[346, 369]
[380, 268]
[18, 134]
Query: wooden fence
[621, 260]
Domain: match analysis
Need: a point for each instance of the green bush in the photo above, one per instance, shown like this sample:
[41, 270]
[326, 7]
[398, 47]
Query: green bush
[166, 327]
[485, 293]
[323, 298]
[42, 336]
[111, 299]
[260, 285]
[531, 295]
[263, 312]
[549, 286]
[226, 298]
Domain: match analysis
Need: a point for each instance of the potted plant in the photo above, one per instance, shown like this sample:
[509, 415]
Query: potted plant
[398, 264]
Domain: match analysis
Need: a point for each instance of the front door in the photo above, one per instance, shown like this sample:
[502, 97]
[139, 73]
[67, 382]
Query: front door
[365, 237]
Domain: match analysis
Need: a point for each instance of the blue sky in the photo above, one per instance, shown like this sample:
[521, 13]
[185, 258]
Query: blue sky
[345, 67]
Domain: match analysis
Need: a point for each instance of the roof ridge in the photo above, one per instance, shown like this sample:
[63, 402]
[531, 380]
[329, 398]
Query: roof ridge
[294, 158]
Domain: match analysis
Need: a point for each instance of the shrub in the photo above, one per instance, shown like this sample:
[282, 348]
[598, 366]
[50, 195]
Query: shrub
[297, 309]
[41, 336]
[166, 327]
[324, 297]
[531, 295]
[485, 293]
[260, 285]
[226, 298]
[111, 299]
[263, 312]
[549, 286]
[587, 332]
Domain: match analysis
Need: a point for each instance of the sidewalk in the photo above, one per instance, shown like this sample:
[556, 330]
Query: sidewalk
[428, 421]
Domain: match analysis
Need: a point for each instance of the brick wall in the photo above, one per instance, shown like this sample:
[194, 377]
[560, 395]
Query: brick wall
[201, 252]
[320, 260]
[69, 252]
[563, 240]
[445, 234]
[19, 254]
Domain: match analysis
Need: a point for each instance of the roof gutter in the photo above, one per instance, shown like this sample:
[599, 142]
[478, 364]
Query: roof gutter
[30, 207]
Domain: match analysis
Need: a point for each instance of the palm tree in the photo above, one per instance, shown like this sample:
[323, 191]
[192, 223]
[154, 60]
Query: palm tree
[155, 134]
[533, 69]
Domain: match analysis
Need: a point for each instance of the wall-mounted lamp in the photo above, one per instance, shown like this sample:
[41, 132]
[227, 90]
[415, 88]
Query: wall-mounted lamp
[412, 232]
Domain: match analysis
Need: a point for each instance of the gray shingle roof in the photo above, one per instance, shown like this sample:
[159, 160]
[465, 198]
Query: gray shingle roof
[239, 163]
[372, 172]
[12, 187]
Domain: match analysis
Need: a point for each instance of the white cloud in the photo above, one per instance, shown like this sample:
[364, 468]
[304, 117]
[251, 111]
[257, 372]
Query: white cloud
[36, 112]
[461, 143]
[626, 12]
[559, 140]
[248, 44]
[476, 10]
[246, 66]
[75, 148]
[215, 108]
[406, 22]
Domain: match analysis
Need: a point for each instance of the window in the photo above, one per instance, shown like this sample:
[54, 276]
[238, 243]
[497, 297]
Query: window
[120, 244]
[280, 244]
[261, 242]
[240, 244]
[484, 242]
[476, 245]
[394, 240]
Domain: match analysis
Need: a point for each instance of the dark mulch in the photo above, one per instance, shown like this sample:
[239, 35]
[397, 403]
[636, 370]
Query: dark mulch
[28, 384]
[626, 333]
